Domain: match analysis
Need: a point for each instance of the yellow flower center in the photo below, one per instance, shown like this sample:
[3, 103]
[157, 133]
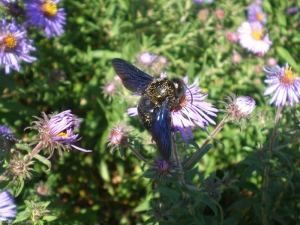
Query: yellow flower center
[288, 77]
[259, 16]
[257, 34]
[49, 9]
[10, 42]
[63, 134]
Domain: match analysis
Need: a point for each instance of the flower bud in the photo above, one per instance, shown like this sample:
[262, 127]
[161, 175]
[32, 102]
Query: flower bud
[118, 136]
[241, 107]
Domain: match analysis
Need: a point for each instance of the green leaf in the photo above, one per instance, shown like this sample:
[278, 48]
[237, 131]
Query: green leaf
[43, 160]
[27, 203]
[21, 216]
[248, 172]
[203, 152]
[210, 203]
[244, 203]
[49, 218]
[20, 187]
[103, 171]
[286, 158]
[23, 147]
[284, 54]
[281, 18]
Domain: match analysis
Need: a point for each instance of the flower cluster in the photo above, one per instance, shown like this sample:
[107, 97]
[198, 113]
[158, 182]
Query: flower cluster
[15, 47]
[151, 63]
[251, 34]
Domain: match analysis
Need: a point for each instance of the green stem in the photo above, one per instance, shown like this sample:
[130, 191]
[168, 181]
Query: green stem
[36, 150]
[198, 152]
[175, 152]
[267, 168]
[137, 154]
[181, 179]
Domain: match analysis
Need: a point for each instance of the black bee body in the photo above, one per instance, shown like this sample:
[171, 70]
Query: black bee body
[159, 96]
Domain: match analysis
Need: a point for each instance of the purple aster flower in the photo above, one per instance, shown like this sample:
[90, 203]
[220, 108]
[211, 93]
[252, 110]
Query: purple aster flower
[7, 208]
[14, 47]
[256, 14]
[146, 58]
[191, 111]
[203, 1]
[284, 83]
[58, 131]
[253, 37]
[199, 1]
[6, 132]
[45, 15]
[292, 10]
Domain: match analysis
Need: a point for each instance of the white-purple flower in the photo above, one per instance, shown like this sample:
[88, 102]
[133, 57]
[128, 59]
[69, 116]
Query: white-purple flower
[256, 14]
[245, 104]
[7, 208]
[284, 84]
[253, 37]
[146, 58]
[58, 131]
[45, 15]
[192, 111]
[239, 108]
[203, 1]
[14, 47]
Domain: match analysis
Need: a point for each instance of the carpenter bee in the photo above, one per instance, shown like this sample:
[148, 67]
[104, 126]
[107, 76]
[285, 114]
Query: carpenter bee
[158, 98]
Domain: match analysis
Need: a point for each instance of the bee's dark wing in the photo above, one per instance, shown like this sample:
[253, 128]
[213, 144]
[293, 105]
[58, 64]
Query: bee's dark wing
[161, 130]
[132, 78]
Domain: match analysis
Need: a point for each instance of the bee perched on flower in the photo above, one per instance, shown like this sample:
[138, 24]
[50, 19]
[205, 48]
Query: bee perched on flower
[57, 132]
[166, 105]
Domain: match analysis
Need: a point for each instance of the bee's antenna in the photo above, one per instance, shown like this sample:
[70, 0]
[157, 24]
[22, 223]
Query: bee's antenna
[190, 94]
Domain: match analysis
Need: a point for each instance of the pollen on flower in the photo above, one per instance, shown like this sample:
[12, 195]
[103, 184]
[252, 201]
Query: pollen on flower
[257, 34]
[10, 42]
[288, 77]
[259, 16]
[62, 134]
[49, 9]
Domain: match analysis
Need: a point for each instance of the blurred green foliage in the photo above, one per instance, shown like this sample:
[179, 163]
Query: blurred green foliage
[71, 72]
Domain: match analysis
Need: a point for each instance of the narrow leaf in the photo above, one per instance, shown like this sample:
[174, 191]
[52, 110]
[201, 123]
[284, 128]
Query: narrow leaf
[284, 54]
